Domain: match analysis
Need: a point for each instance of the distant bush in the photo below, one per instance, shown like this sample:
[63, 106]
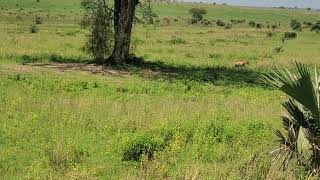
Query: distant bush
[278, 49]
[252, 23]
[270, 34]
[274, 26]
[220, 23]
[290, 35]
[316, 27]
[295, 25]
[33, 28]
[38, 20]
[177, 40]
[197, 14]
[166, 21]
[141, 146]
[307, 24]
[258, 26]
[206, 22]
[237, 21]
[214, 56]
[228, 26]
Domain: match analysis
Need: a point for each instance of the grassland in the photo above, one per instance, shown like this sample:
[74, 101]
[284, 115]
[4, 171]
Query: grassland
[207, 119]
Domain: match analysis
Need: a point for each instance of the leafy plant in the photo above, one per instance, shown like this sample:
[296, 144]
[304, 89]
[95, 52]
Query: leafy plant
[301, 121]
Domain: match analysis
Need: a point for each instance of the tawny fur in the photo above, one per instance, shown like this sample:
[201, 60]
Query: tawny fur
[241, 64]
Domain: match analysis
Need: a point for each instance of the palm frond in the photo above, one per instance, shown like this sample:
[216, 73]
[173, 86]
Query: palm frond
[299, 87]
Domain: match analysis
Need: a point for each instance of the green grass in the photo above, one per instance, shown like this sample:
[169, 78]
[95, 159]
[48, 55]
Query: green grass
[187, 105]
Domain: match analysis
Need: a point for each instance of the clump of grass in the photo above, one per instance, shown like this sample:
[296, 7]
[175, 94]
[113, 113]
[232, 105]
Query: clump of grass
[214, 56]
[278, 50]
[62, 158]
[33, 28]
[177, 40]
[270, 34]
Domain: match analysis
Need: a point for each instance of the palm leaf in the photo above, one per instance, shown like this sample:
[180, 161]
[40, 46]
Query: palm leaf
[299, 87]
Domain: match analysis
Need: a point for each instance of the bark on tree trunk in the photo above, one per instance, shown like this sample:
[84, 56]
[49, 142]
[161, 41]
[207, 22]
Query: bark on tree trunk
[123, 20]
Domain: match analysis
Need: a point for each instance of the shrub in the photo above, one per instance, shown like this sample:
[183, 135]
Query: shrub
[258, 26]
[228, 26]
[295, 25]
[307, 24]
[237, 21]
[290, 35]
[252, 23]
[270, 34]
[141, 146]
[33, 28]
[166, 21]
[278, 49]
[274, 26]
[197, 14]
[177, 40]
[100, 40]
[220, 23]
[206, 22]
[38, 20]
[316, 27]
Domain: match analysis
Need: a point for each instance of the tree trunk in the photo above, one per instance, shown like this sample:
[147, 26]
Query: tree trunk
[123, 20]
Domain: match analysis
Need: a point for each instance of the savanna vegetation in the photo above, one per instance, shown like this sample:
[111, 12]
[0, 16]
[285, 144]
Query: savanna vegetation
[198, 99]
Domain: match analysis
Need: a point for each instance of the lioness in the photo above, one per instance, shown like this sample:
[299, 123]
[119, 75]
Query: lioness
[241, 64]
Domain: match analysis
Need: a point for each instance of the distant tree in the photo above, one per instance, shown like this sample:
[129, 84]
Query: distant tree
[197, 14]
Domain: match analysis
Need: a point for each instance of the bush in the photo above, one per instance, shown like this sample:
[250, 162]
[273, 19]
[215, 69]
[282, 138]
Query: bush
[206, 22]
[258, 26]
[307, 24]
[177, 40]
[141, 146]
[237, 21]
[228, 26]
[316, 27]
[252, 23]
[220, 23]
[197, 14]
[166, 21]
[278, 49]
[295, 25]
[34, 28]
[290, 35]
[38, 20]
